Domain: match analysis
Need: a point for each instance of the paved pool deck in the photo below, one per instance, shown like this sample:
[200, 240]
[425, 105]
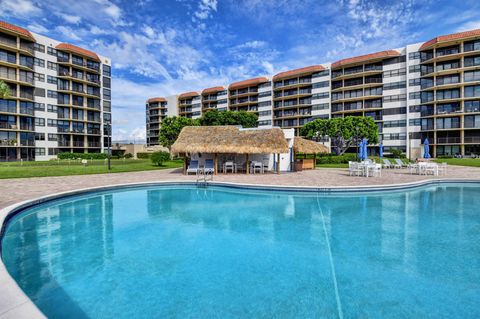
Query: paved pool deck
[21, 189]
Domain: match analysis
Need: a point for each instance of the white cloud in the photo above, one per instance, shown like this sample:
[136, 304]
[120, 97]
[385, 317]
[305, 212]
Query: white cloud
[205, 9]
[73, 19]
[68, 32]
[35, 27]
[21, 8]
[469, 25]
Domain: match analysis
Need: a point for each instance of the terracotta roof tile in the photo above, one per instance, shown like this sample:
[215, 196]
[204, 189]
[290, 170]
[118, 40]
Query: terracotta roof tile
[188, 94]
[366, 57]
[247, 83]
[450, 37]
[213, 90]
[74, 49]
[18, 30]
[297, 72]
[156, 99]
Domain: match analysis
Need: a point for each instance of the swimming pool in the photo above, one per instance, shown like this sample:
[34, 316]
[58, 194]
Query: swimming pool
[183, 251]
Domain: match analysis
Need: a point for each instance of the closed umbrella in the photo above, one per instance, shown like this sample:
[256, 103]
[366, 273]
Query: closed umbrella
[426, 149]
[360, 150]
[365, 153]
[380, 151]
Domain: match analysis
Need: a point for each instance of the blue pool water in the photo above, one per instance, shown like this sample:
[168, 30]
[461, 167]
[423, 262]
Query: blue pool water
[187, 252]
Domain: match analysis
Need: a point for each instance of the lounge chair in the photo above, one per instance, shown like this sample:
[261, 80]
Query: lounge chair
[387, 163]
[400, 164]
[354, 168]
[209, 168]
[193, 167]
[256, 166]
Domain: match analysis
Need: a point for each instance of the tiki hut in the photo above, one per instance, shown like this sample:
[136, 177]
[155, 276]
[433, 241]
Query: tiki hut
[217, 140]
[306, 153]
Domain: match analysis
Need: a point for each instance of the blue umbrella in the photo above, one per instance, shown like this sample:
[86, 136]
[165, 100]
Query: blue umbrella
[380, 151]
[426, 149]
[365, 153]
[360, 150]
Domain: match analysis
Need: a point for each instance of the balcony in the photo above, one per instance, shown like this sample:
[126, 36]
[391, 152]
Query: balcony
[448, 140]
[64, 143]
[78, 143]
[471, 139]
[27, 46]
[8, 42]
[94, 144]
[27, 143]
[8, 126]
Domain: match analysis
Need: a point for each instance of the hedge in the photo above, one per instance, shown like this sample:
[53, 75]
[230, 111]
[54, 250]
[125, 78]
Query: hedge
[74, 156]
[143, 155]
[336, 159]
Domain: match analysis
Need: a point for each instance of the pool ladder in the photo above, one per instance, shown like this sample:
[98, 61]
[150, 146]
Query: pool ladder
[203, 178]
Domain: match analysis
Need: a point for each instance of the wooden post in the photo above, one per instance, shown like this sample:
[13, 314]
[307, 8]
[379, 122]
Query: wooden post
[185, 164]
[314, 160]
[278, 163]
[216, 164]
[247, 170]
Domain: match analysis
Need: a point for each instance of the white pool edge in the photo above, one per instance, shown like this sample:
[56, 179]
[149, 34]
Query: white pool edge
[14, 303]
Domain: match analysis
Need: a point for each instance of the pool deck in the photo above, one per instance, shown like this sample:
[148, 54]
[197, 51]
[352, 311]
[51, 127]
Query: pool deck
[15, 304]
[21, 189]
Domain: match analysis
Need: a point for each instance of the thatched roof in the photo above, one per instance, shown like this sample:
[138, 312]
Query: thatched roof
[230, 139]
[301, 145]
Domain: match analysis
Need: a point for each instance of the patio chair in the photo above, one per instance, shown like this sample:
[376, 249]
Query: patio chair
[193, 167]
[209, 168]
[354, 169]
[400, 164]
[387, 163]
[413, 168]
[376, 170]
[442, 168]
[256, 166]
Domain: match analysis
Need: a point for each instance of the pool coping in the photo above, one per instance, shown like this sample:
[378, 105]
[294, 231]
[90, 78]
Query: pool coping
[14, 303]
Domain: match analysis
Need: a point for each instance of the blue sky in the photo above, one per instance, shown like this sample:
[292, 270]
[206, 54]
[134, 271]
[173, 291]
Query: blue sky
[160, 48]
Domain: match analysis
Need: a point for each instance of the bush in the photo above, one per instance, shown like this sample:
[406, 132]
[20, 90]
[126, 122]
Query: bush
[87, 156]
[128, 155]
[143, 155]
[397, 153]
[336, 159]
[159, 157]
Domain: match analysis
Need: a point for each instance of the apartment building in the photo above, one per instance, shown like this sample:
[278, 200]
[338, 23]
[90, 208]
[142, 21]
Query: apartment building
[60, 97]
[424, 90]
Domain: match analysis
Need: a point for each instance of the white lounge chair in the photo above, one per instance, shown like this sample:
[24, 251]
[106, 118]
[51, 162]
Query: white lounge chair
[387, 163]
[354, 169]
[400, 164]
[209, 168]
[376, 170]
[193, 167]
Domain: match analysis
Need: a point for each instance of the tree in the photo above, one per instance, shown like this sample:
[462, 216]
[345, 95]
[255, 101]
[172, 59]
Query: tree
[4, 90]
[158, 158]
[343, 132]
[243, 118]
[171, 128]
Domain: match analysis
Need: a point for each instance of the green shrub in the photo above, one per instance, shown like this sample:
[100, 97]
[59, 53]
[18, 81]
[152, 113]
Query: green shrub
[88, 156]
[158, 158]
[336, 159]
[143, 155]
[128, 155]
[396, 153]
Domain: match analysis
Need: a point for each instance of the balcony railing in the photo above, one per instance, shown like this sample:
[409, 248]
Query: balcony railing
[94, 144]
[447, 140]
[27, 143]
[8, 75]
[9, 42]
[471, 139]
[94, 131]
[64, 143]
[27, 47]
[8, 126]
[78, 144]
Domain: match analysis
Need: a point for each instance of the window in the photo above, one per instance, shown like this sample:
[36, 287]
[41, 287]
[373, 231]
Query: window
[448, 123]
[107, 117]
[414, 122]
[472, 91]
[264, 113]
[51, 79]
[472, 61]
[264, 94]
[264, 123]
[471, 46]
[448, 65]
[52, 151]
[323, 95]
[321, 73]
[389, 61]
[414, 82]
[51, 108]
[414, 95]
[394, 85]
[415, 108]
[39, 77]
[394, 136]
[39, 151]
[322, 84]
[266, 103]
[448, 94]
[106, 82]
[448, 50]
[39, 136]
[448, 79]
[39, 92]
[396, 72]
[414, 55]
[395, 111]
[39, 107]
[51, 51]
[52, 137]
[471, 76]
[51, 122]
[63, 98]
[317, 107]
[472, 106]
[8, 56]
[52, 94]
[39, 47]
[394, 98]
[107, 70]
[414, 68]
[39, 62]
[52, 65]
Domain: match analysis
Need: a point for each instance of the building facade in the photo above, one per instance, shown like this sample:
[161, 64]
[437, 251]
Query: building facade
[424, 90]
[60, 97]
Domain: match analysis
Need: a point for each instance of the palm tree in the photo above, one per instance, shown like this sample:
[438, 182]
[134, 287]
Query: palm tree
[4, 90]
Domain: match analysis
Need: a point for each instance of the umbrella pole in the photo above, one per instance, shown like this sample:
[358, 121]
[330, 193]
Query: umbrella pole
[248, 166]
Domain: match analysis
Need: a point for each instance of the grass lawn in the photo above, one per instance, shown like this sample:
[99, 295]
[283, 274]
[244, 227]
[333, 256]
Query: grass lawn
[475, 162]
[65, 167]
